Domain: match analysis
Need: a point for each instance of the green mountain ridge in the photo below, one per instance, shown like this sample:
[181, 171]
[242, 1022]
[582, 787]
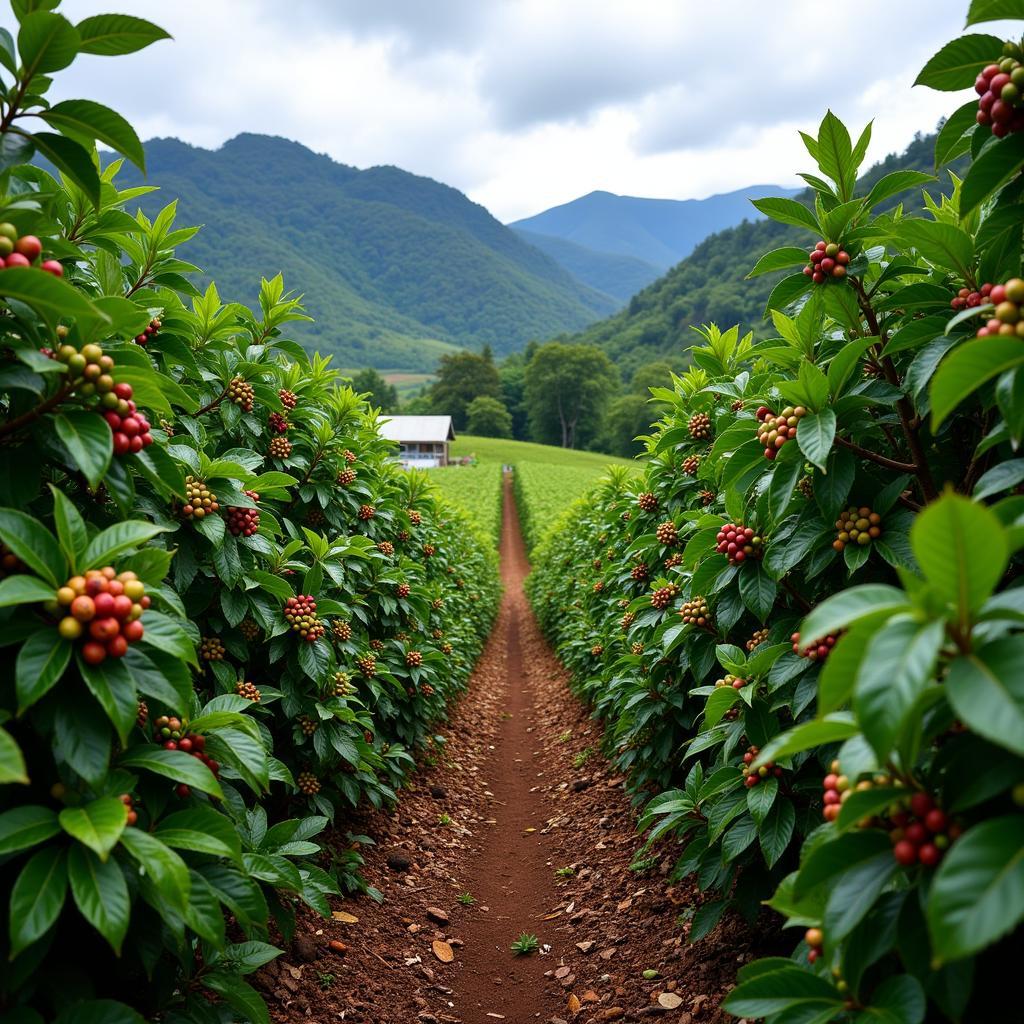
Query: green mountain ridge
[397, 269]
[710, 284]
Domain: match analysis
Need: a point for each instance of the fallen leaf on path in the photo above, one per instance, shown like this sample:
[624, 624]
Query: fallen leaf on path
[338, 947]
[442, 951]
[574, 1004]
[340, 915]
[551, 917]
[669, 1000]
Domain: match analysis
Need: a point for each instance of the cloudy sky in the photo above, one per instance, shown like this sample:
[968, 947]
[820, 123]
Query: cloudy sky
[524, 104]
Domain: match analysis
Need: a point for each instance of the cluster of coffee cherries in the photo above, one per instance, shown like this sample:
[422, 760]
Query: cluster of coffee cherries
[736, 682]
[857, 526]
[1006, 320]
[244, 522]
[627, 620]
[249, 628]
[211, 648]
[279, 448]
[738, 543]
[104, 608]
[91, 366]
[647, 502]
[368, 512]
[130, 428]
[23, 251]
[759, 637]
[815, 939]
[413, 659]
[241, 392]
[752, 776]
[775, 431]
[817, 650]
[248, 690]
[664, 596]
[308, 783]
[341, 684]
[706, 497]
[200, 501]
[428, 549]
[342, 630]
[827, 260]
[288, 398]
[1000, 89]
[673, 560]
[131, 815]
[968, 299]
[597, 650]
[307, 725]
[691, 464]
[403, 590]
[700, 426]
[300, 614]
[836, 792]
[695, 612]
[667, 533]
[346, 476]
[278, 423]
[149, 331]
[367, 665]
[922, 834]
[385, 547]
[174, 734]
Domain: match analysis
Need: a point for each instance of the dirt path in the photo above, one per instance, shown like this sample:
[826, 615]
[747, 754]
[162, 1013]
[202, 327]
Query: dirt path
[519, 792]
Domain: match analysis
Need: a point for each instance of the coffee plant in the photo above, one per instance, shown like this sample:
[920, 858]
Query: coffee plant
[814, 682]
[217, 643]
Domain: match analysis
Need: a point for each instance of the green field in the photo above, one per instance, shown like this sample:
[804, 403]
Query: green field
[547, 479]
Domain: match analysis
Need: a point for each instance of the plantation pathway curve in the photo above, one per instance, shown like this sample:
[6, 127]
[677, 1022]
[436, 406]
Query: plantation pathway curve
[520, 792]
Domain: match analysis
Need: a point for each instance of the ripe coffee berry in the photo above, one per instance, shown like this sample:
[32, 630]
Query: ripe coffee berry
[308, 783]
[598, 586]
[836, 790]
[816, 651]
[758, 638]
[664, 596]
[700, 426]
[738, 543]
[278, 423]
[413, 659]
[349, 456]
[1000, 89]
[827, 261]
[775, 431]
[346, 477]
[244, 522]
[967, 299]
[695, 612]
[240, 391]
[367, 665]
[200, 501]
[151, 330]
[922, 834]
[142, 714]
[415, 517]
[288, 398]
[691, 464]
[279, 448]
[103, 609]
[130, 428]
[640, 571]
[211, 649]
[647, 502]
[706, 497]
[667, 533]
[403, 590]
[300, 614]
[673, 560]
[248, 690]
[752, 776]
[736, 682]
[857, 526]
[815, 938]
[131, 815]
[1007, 319]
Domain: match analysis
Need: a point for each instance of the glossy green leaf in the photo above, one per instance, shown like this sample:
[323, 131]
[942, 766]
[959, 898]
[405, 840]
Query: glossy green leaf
[97, 824]
[101, 894]
[37, 897]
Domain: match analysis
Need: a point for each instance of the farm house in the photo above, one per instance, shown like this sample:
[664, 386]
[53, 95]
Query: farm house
[422, 440]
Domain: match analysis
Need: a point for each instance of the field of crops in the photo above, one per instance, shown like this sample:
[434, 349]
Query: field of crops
[476, 489]
[517, 453]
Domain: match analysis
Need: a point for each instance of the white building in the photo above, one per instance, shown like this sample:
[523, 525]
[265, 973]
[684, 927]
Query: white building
[422, 440]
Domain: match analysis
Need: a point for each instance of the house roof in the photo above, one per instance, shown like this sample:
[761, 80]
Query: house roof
[417, 428]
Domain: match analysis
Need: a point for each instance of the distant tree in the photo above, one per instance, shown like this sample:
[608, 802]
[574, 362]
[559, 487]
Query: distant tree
[653, 375]
[461, 377]
[488, 417]
[382, 394]
[512, 373]
[419, 404]
[628, 417]
[567, 390]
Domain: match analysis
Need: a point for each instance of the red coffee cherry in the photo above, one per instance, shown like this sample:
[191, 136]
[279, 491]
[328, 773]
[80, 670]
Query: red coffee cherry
[775, 431]
[738, 543]
[244, 522]
[300, 614]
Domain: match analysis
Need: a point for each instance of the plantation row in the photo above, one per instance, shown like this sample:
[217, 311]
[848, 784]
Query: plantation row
[801, 624]
[229, 618]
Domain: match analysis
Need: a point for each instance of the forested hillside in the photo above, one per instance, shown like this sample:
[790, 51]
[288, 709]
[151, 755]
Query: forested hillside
[397, 268]
[711, 285]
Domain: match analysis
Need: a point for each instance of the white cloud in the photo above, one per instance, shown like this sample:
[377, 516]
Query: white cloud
[527, 103]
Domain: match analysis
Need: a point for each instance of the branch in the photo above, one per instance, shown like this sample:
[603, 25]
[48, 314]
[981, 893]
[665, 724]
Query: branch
[11, 426]
[213, 405]
[882, 460]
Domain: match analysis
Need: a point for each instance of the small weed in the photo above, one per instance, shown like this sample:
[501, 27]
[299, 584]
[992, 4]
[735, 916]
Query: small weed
[324, 979]
[583, 757]
[566, 872]
[566, 736]
[444, 819]
[642, 864]
[525, 944]
[466, 899]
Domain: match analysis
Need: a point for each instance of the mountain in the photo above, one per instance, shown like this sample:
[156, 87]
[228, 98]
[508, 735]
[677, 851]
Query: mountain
[396, 268]
[657, 231]
[710, 284]
[618, 276]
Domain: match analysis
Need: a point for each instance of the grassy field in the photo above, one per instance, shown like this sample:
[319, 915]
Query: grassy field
[547, 479]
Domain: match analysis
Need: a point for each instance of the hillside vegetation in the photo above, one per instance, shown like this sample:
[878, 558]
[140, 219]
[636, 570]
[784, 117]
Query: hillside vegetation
[398, 269]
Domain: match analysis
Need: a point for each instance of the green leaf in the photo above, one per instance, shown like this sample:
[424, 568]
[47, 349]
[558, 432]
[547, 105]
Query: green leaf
[815, 433]
[959, 62]
[787, 211]
[829, 859]
[24, 590]
[848, 606]
[110, 35]
[855, 893]
[1001, 477]
[95, 121]
[894, 182]
[173, 764]
[758, 590]
[42, 660]
[782, 989]
[990, 171]
[97, 824]
[22, 827]
[165, 634]
[986, 690]
[978, 892]
[51, 297]
[37, 897]
[73, 159]
[202, 830]
[867, 803]
[761, 798]
[942, 244]
[111, 684]
[835, 154]
[47, 42]
[966, 369]
[779, 259]
[71, 530]
[31, 542]
[167, 870]
[952, 131]
[12, 764]
[89, 440]
[830, 729]
[898, 1000]
[99, 1011]
[239, 995]
[962, 549]
[775, 832]
[787, 291]
[994, 10]
[101, 894]
[116, 539]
